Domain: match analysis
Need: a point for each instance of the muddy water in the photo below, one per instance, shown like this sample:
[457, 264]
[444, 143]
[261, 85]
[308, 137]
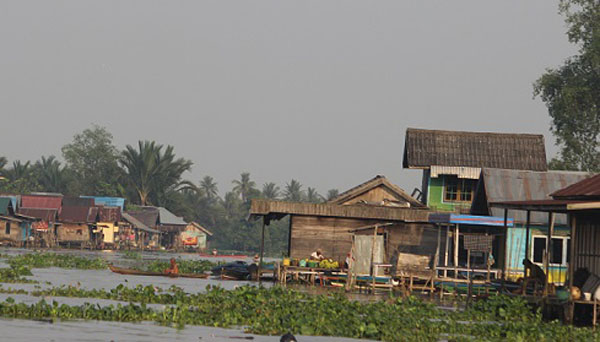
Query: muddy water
[27, 330]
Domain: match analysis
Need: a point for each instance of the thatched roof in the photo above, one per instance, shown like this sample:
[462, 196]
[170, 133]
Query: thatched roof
[398, 194]
[278, 209]
[425, 148]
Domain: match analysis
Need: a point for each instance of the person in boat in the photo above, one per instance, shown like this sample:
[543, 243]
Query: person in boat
[214, 251]
[288, 338]
[173, 269]
[256, 258]
[317, 255]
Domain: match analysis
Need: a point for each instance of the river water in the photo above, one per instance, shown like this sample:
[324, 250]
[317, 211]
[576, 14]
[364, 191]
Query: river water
[28, 330]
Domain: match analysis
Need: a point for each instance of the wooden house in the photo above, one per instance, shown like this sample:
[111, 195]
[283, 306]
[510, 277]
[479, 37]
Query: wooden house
[45, 207]
[161, 219]
[108, 225]
[451, 162]
[144, 236]
[15, 229]
[333, 226]
[194, 236]
[76, 224]
[500, 185]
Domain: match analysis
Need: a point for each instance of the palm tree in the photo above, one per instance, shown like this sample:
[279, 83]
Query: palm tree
[50, 175]
[270, 191]
[3, 162]
[293, 191]
[313, 196]
[332, 193]
[18, 171]
[209, 187]
[244, 187]
[152, 172]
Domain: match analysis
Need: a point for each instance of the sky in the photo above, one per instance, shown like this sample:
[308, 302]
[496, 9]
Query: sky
[318, 91]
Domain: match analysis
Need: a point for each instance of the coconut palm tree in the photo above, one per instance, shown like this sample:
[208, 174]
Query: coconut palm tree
[50, 175]
[244, 187]
[293, 191]
[152, 172]
[18, 171]
[313, 196]
[209, 187]
[270, 191]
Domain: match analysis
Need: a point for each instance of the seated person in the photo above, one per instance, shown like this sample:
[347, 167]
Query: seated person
[173, 270]
[317, 255]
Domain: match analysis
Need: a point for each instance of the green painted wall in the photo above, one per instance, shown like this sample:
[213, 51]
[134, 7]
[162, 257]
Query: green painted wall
[435, 197]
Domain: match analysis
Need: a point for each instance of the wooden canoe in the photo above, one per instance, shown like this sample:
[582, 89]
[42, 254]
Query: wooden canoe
[130, 271]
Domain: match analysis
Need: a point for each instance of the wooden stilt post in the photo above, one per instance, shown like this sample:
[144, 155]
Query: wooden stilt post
[549, 251]
[527, 224]
[456, 244]
[262, 247]
[571, 266]
[446, 251]
[503, 249]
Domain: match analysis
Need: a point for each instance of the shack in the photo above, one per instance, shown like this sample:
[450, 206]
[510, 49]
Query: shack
[500, 185]
[44, 227]
[161, 219]
[452, 160]
[333, 226]
[108, 225]
[15, 229]
[194, 236]
[76, 226]
[144, 236]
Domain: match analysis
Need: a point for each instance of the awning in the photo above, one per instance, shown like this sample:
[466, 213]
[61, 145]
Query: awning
[490, 221]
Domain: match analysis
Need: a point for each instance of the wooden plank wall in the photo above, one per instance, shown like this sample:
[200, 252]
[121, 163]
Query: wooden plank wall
[73, 232]
[377, 194]
[15, 232]
[587, 243]
[328, 233]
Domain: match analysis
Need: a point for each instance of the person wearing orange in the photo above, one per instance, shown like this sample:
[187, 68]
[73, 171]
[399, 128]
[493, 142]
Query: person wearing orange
[173, 270]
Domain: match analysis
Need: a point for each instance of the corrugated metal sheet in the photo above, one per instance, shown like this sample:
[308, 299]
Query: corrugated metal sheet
[41, 202]
[424, 148]
[109, 214]
[77, 202]
[48, 215]
[5, 206]
[460, 171]
[166, 217]
[586, 189]
[516, 185]
[147, 217]
[78, 214]
[474, 220]
[108, 201]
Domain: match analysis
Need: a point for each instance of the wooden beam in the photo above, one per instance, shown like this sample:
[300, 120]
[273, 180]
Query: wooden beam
[583, 206]
[503, 248]
[527, 224]
[456, 243]
[549, 250]
[262, 248]
[571, 268]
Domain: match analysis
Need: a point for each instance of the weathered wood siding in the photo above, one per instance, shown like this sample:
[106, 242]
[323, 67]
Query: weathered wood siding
[376, 195]
[587, 242]
[73, 232]
[327, 233]
[15, 234]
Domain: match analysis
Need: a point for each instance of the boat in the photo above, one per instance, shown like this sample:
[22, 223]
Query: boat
[129, 271]
[234, 256]
[236, 270]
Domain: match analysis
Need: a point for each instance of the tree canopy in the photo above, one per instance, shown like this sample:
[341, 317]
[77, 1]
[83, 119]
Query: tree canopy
[571, 91]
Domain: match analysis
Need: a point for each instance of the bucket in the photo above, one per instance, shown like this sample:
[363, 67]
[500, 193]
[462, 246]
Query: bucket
[286, 261]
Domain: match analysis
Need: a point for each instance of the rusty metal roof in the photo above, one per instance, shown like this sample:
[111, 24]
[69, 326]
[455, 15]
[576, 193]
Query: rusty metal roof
[501, 185]
[147, 217]
[78, 214]
[41, 201]
[69, 201]
[585, 189]
[424, 148]
[109, 214]
[48, 215]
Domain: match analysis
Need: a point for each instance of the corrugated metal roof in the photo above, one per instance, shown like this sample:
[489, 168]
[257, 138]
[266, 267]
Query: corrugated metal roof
[5, 206]
[424, 148]
[48, 215]
[503, 185]
[460, 171]
[109, 214]
[108, 201]
[78, 214]
[77, 202]
[41, 201]
[147, 217]
[168, 218]
[585, 189]
[138, 224]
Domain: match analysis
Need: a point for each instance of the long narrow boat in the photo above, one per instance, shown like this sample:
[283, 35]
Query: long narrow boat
[130, 271]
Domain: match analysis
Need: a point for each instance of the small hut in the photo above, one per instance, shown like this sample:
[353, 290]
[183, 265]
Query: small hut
[194, 236]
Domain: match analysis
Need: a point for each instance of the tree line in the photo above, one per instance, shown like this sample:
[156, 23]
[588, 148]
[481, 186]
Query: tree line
[150, 173]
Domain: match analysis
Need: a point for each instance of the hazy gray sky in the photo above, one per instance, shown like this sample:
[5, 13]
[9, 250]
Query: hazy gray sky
[320, 91]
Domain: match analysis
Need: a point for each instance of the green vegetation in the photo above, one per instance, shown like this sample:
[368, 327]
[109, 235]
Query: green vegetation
[278, 310]
[44, 260]
[571, 90]
[15, 275]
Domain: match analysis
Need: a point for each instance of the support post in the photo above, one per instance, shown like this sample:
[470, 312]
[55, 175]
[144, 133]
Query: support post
[571, 268]
[262, 247]
[549, 250]
[446, 251]
[503, 248]
[527, 224]
[456, 243]
[437, 250]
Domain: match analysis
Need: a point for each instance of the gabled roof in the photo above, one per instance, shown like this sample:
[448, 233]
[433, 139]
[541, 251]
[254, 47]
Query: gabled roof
[6, 207]
[78, 214]
[586, 189]
[425, 148]
[398, 197]
[109, 214]
[197, 225]
[168, 218]
[148, 217]
[138, 224]
[42, 201]
[48, 215]
[501, 185]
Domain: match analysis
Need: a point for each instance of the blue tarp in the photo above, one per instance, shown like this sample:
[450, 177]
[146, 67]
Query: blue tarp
[108, 201]
[474, 220]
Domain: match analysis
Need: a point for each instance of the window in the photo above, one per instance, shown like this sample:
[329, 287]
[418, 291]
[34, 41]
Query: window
[560, 247]
[458, 190]
[7, 229]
